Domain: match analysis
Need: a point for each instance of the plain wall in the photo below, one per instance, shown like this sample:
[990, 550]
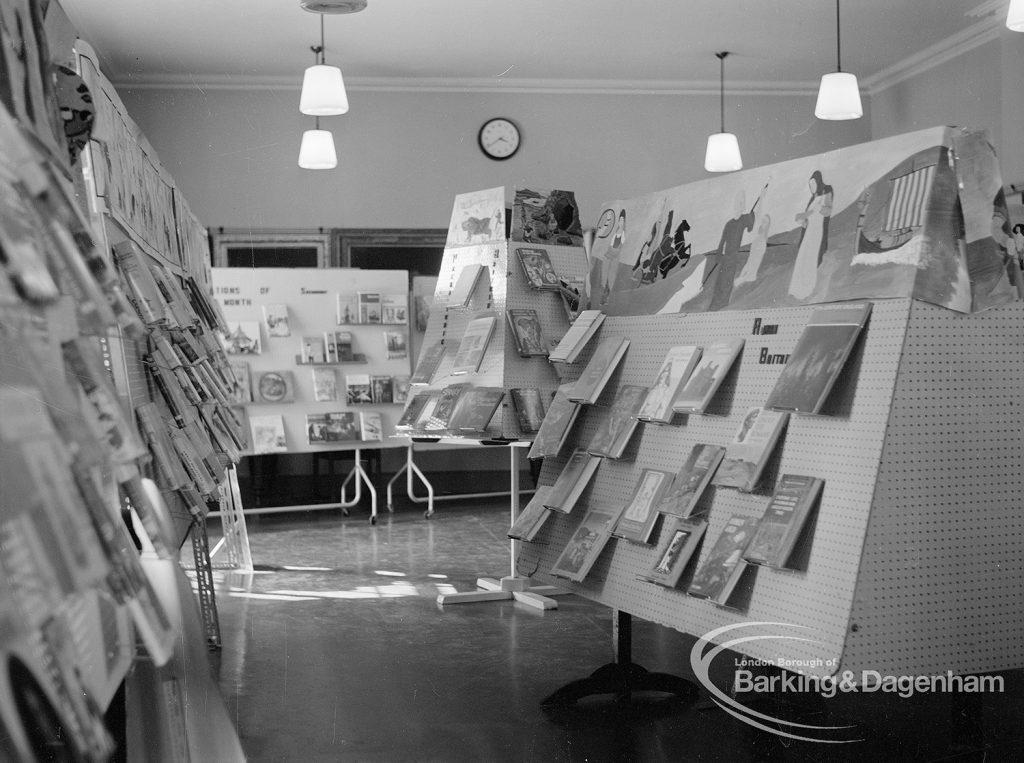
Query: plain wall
[403, 156]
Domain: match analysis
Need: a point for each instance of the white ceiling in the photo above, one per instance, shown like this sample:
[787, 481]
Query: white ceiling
[555, 45]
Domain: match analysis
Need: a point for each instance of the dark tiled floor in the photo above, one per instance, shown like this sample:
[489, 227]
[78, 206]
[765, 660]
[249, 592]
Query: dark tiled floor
[337, 651]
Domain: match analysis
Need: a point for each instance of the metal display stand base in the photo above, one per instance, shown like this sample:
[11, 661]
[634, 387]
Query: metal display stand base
[514, 586]
[623, 677]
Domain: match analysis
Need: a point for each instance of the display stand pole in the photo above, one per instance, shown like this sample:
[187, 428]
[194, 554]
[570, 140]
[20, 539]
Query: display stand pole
[514, 586]
[360, 475]
[622, 677]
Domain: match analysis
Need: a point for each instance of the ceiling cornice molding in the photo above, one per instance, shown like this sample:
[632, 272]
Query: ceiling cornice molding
[474, 85]
[956, 45]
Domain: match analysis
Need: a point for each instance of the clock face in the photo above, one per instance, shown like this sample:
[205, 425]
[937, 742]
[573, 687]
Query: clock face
[499, 138]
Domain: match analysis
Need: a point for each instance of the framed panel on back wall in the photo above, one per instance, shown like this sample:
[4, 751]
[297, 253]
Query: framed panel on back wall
[271, 248]
[418, 250]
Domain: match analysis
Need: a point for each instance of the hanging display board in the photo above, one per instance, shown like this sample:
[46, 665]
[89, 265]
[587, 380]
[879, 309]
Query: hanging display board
[306, 303]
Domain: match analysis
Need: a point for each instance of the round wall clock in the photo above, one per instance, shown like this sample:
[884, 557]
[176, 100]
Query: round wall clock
[499, 138]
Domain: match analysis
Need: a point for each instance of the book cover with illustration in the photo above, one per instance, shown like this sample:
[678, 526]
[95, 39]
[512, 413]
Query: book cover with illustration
[473, 345]
[536, 265]
[615, 431]
[337, 426]
[325, 384]
[712, 368]
[681, 540]
[526, 332]
[273, 387]
[818, 358]
[554, 429]
[692, 479]
[358, 389]
[585, 545]
[267, 434]
[717, 576]
[394, 308]
[750, 449]
[637, 521]
[784, 519]
[430, 358]
[475, 409]
[675, 370]
[275, 318]
[369, 307]
[529, 408]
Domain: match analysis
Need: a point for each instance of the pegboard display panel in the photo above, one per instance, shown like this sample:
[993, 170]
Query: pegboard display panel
[843, 447]
[942, 579]
[311, 295]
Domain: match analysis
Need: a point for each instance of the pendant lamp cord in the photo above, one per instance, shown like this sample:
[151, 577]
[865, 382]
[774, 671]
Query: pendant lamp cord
[721, 87]
[839, 65]
[318, 50]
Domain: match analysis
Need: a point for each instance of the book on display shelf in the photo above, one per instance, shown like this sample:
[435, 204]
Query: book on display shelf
[675, 370]
[337, 426]
[143, 291]
[273, 387]
[465, 285]
[637, 520]
[400, 388]
[325, 384]
[369, 307]
[750, 449]
[440, 417]
[599, 370]
[475, 409]
[681, 538]
[529, 408]
[243, 338]
[394, 308]
[346, 309]
[537, 267]
[358, 389]
[527, 332]
[371, 426]
[715, 361]
[585, 545]
[275, 318]
[473, 345]
[614, 432]
[396, 343]
[818, 358]
[784, 519]
[572, 481]
[719, 573]
[554, 429]
[532, 517]
[691, 480]
[313, 349]
[380, 389]
[412, 411]
[577, 337]
[430, 359]
[570, 295]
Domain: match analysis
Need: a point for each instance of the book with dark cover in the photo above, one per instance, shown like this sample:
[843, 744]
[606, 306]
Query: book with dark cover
[691, 480]
[338, 426]
[526, 331]
[818, 358]
[674, 371]
[718, 575]
[380, 389]
[529, 408]
[576, 338]
[680, 540]
[473, 345]
[440, 418]
[557, 423]
[715, 362]
[430, 359]
[636, 523]
[613, 434]
[476, 409]
[413, 410]
[600, 368]
[585, 545]
[533, 516]
[369, 307]
[358, 389]
[784, 518]
[750, 449]
[572, 481]
[465, 285]
[273, 387]
[537, 267]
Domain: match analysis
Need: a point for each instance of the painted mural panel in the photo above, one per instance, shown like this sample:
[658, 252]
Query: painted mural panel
[919, 215]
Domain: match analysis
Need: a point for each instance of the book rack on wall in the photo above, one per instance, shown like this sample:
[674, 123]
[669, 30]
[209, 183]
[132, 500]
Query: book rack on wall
[909, 461]
[322, 358]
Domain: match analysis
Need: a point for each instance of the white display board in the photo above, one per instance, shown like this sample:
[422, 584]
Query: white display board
[311, 295]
